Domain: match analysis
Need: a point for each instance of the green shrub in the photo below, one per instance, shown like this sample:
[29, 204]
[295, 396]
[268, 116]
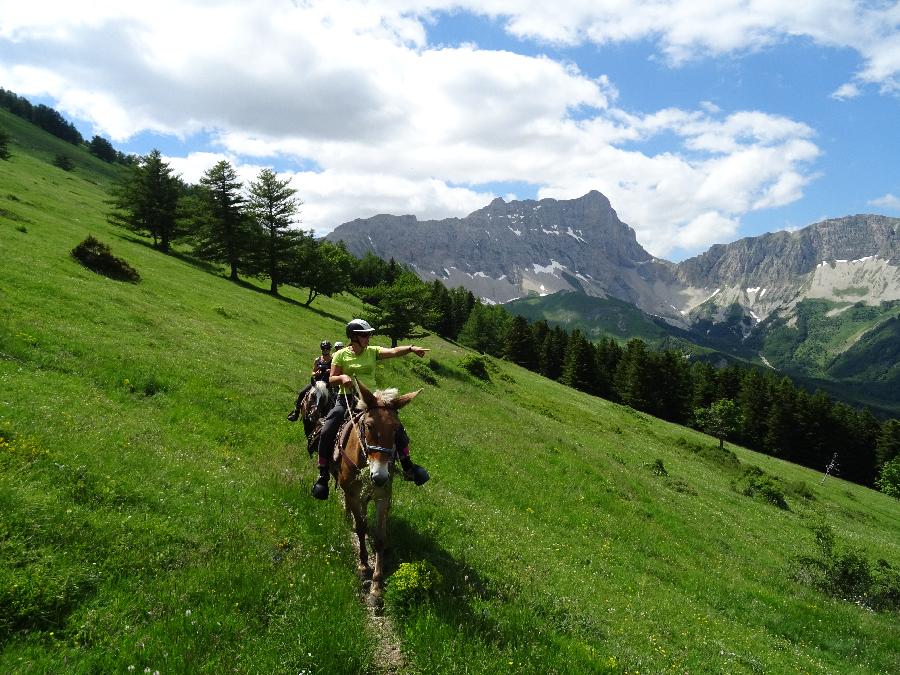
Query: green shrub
[411, 585]
[422, 371]
[844, 572]
[474, 364]
[889, 479]
[658, 468]
[96, 256]
[63, 162]
[756, 483]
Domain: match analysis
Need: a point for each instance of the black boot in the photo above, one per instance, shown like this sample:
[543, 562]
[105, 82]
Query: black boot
[414, 472]
[294, 416]
[320, 487]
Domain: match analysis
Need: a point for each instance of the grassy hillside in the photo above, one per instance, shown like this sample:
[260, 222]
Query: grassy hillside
[154, 507]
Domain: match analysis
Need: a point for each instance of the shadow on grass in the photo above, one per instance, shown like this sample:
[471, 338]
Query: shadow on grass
[462, 587]
[218, 270]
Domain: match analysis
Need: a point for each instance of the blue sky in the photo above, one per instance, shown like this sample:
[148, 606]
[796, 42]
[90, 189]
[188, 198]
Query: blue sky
[702, 122]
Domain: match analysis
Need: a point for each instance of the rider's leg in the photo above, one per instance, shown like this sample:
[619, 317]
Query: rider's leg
[326, 446]
[411, 471]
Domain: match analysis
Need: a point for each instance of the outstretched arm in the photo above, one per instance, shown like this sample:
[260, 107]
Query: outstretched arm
[402, 350]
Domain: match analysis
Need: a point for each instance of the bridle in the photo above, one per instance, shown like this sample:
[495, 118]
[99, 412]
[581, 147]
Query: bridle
[367, 448]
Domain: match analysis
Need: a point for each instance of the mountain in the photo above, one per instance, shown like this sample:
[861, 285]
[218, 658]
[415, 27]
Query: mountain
[510, 250]
[744, 298]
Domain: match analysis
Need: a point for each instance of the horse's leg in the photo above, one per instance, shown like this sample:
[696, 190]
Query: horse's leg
[382, 510]
[356, 509]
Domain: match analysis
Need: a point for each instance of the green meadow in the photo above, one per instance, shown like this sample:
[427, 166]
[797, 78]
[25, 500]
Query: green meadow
[155, 511]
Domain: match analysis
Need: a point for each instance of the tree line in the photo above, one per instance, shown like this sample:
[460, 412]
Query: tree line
[50, 120]
[252, 231]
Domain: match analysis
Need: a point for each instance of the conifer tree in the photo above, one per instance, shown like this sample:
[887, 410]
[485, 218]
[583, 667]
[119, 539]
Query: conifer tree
[146, 200]
[888, 443]
[102, 148]
[5, 139]
[223, 233]
[554, 356]
[580, 365]
[705, 385]
[672, 386]
[440, 305]
[779, 439]
[608, 355]
[633, 380]
[462, 302]
[518, 345]
[272, 206]
[753, 402]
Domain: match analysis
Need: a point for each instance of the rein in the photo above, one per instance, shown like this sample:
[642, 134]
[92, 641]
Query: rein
[366, 447]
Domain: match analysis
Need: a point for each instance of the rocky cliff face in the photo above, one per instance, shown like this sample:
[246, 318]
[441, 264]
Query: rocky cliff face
[847, 259]
[509, 250]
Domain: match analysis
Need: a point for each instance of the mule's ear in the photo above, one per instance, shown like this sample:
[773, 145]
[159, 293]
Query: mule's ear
[368, 398]
[401, 401]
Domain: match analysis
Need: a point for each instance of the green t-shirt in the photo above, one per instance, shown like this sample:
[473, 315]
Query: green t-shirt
[359, 366]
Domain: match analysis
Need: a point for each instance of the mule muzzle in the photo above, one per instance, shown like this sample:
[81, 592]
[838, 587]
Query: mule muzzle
[381, 473]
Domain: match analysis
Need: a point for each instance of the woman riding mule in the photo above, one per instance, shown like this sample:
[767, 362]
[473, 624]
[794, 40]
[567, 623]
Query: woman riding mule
[320, 372]
[358, 359]
[367, 451]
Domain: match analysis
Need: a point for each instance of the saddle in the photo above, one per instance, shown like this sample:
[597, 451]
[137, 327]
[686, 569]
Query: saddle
[343, 435]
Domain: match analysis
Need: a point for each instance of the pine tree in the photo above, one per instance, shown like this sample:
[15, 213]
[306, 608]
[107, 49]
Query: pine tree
[552, 353]
[580, 365]
[102, 148]
[272, 206]
[518, 343]
[705, 385]
[5, 139]
[608, 355]
[223, 232]
[146, 200]
[753, 402]
[633, 379]
[779, 438]
[440, 310]
[672, 386]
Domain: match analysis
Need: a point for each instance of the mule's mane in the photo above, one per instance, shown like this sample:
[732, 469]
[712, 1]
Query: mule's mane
[384, 397]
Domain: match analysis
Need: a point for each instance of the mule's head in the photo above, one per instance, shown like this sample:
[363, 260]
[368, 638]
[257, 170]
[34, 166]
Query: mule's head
[380, 424]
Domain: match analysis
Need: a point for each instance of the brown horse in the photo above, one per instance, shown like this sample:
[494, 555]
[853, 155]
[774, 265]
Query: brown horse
[367, 452]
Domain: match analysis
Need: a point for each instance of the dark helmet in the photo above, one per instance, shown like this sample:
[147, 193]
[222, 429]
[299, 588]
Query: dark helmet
[325, 345]
[359, 327]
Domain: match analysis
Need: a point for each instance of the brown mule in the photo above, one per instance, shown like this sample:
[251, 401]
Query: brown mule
[364, 473]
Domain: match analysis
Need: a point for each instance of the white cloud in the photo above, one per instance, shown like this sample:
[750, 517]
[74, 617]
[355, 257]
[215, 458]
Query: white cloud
[846, 91]
[888, 201]
[392, 124]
